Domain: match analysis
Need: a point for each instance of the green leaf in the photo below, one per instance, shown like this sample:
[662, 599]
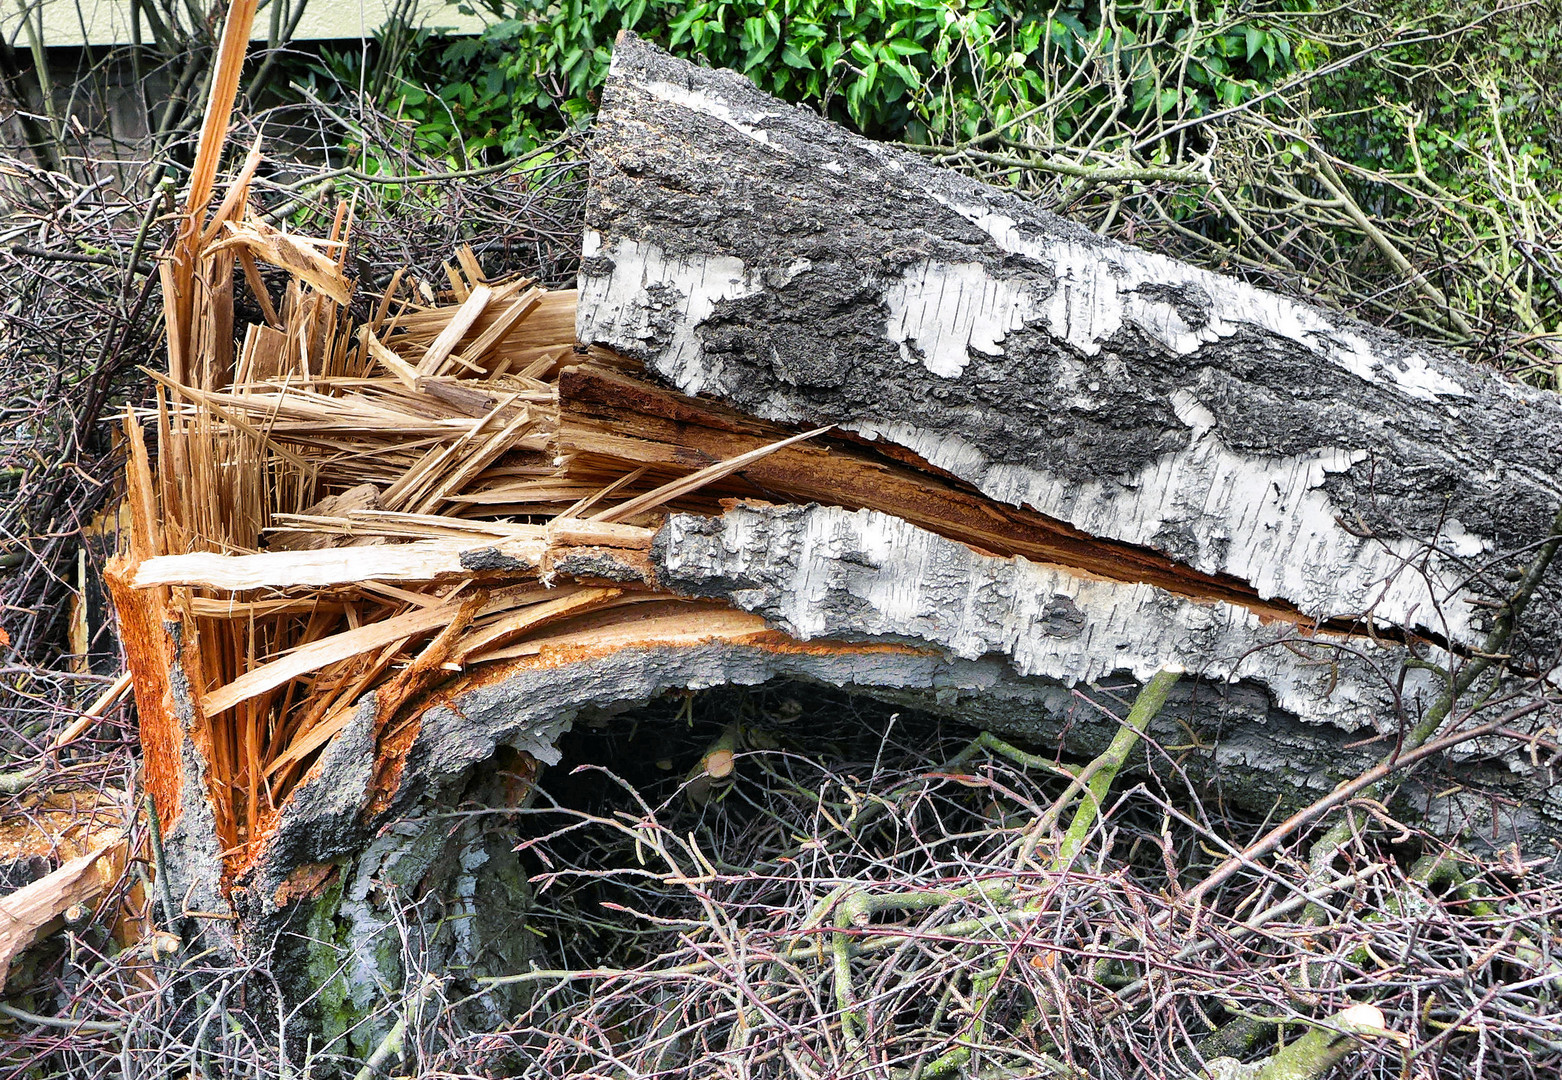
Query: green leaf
[1255, 42]
[794, 59]
[854, 95]
[906, 74]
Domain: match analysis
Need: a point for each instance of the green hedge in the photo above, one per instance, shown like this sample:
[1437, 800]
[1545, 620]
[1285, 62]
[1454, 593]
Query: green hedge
[920, 70]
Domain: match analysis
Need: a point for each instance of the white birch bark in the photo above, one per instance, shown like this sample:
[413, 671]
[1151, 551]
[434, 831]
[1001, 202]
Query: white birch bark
[747, 249]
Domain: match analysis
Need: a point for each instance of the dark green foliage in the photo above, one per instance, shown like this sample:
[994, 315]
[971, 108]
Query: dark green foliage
[927, 71]
[1425, 103]
[1400, 162]
[1456, 136]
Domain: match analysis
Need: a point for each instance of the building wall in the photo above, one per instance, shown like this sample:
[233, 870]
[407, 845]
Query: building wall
[107, 22]
[99, 89]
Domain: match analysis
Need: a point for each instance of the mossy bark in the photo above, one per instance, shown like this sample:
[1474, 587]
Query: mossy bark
[422, 901]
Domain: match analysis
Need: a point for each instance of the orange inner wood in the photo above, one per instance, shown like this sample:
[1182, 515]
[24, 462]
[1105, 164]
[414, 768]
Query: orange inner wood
[608, 415]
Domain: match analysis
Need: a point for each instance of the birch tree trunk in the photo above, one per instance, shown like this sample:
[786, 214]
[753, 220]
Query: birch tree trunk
[1281, 457]
[746, 249]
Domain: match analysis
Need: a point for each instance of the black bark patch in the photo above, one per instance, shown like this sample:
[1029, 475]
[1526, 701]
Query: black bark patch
[1063, 618]
[484, 560]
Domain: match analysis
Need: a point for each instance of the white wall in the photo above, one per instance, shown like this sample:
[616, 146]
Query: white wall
[107, 22]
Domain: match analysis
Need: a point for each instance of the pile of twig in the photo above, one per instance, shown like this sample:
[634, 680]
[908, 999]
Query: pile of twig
[842, 912]
[522, 215]
[835, 905]
[76, 321]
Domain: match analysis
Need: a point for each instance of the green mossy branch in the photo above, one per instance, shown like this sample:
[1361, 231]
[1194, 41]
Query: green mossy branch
[1104, 769]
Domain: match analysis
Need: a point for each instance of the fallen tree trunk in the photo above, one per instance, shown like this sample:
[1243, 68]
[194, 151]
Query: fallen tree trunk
[1270, 461]
[1056, 467]
[744, 249]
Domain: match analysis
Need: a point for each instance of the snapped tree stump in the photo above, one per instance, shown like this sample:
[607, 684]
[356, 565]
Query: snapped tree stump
[1052, 461]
